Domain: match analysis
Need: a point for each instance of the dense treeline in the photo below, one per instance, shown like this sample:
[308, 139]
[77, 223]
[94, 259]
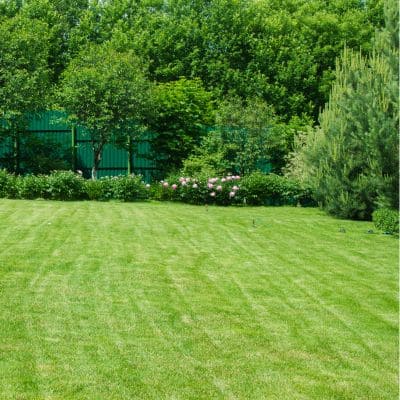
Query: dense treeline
[258, 72]
[281, 51]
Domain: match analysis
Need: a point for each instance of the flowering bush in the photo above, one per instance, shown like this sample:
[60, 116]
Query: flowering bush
[124, 188]
[254, 189]
[201, 190]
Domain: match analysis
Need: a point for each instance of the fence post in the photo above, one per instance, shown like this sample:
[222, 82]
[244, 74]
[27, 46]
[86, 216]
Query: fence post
[129, 155]
[73, 147]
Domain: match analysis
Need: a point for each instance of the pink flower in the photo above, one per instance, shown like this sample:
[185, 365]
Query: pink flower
[165, 184]
[181, 179]
[174, 186]
[235, 188]
[219, 188]
[228, 178]
[223, 180]
[195, 186]
[231, 194]
[210, 185]
[212, 194]
[183, 183]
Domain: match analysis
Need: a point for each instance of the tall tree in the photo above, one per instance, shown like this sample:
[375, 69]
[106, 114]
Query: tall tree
[24, 73]
[105, 91]
[181, 110]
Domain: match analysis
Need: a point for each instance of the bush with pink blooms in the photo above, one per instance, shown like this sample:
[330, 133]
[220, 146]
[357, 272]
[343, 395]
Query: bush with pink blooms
[201, 190]
[254, 189]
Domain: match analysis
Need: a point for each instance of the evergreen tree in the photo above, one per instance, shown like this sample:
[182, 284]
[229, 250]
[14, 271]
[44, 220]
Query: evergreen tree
[352, 158]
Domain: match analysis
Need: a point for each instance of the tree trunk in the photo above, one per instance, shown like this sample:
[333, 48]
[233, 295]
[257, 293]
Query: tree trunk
[97, 151]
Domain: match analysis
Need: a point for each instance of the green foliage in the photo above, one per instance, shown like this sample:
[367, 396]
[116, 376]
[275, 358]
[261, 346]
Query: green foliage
[248, 137]
[129, 188]
[352, 159]
[8, 186]
[33, 187]
[196, 52]
[180, 112]
[254, 189]
[203, 163]
[105, 91]
[283, 52]
[24, 73]
[262, 189]
[99, 189]
[65, 185]
[386, 220]
[200, 190]
[41, 155]
[123, 188]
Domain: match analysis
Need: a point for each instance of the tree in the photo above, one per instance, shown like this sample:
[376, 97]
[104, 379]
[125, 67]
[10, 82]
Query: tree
[24, 74]
[281, 51]
[106, 92]
[248, 136]
[352, 158]
[61, 16]
[181, 110]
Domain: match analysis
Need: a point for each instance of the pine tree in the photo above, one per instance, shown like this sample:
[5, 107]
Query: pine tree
[352, 158]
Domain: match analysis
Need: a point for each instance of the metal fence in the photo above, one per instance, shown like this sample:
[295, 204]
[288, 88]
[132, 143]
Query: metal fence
[70, 147]
[50, 143]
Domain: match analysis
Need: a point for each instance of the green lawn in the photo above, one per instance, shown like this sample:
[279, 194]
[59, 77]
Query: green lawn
[170, 301]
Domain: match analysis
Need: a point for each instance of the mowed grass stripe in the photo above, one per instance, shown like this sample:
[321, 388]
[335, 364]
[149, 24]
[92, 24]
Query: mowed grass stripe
[157, 300]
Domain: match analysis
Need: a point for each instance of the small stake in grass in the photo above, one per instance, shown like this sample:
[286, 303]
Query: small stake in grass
[254, 223]
[342, 230]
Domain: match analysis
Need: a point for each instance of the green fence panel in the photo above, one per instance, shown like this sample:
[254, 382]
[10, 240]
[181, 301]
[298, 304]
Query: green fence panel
[6, 152]
[73, 146]
[49, 121]
[70, 146]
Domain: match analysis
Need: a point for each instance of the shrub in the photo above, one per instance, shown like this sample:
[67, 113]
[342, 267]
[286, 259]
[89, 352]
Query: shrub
[271, 189]
[8, 186]
[32, 186]
[386, 220]
[4, 179]
[99, 189]
[206, 163]
[65, 185]
[200, 190]
[129, 188]
[41, 155]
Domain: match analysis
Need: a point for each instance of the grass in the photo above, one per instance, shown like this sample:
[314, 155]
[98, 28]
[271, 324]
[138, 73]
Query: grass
[170, 301]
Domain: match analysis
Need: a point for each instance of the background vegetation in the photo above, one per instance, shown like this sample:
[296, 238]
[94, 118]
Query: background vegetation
[224, 86]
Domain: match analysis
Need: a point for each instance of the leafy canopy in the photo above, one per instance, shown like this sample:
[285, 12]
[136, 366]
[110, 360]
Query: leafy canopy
[106, 91]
